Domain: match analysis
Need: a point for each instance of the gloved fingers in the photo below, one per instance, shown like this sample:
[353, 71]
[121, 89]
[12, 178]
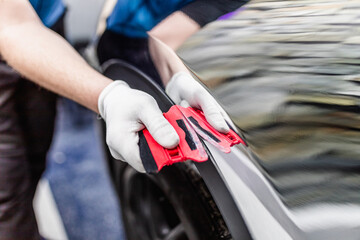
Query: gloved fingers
[227, 118]
[184, 104]
[159, 128]
[213, 113]
[172, 88]
[123, 145]
[175, 97]
[116, 155]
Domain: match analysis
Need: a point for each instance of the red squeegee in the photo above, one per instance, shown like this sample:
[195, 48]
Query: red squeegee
[186, 122]
[198, 121]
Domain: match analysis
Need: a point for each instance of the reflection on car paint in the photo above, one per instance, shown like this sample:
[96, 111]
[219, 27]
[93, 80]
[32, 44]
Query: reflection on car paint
[289, 80]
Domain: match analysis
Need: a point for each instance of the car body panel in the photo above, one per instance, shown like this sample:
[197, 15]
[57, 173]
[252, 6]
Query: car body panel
[286, 72]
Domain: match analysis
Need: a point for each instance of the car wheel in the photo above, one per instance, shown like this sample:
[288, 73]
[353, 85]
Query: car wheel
[171, 205]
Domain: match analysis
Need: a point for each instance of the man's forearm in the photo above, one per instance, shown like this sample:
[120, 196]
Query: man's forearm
[166, 61]
[48, 60]
[175, 29]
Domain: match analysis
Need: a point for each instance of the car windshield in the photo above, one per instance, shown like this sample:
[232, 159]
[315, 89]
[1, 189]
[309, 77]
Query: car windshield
[287, 74]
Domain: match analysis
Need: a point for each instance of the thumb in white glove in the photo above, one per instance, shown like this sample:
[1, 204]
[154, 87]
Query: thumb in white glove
[126, 112]
[183, 89]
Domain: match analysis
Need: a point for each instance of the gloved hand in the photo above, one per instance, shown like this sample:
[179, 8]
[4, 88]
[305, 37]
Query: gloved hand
[185, 90]
[125, 112]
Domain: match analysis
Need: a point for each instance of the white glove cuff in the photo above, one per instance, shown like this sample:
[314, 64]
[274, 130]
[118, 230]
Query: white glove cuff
[105, 92]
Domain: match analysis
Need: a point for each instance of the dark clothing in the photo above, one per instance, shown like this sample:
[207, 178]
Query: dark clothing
[132, 50]
[27, 114]
[206, 11]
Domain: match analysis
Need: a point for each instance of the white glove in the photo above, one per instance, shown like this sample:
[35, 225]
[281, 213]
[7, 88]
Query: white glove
[185, 90]
[125, 112]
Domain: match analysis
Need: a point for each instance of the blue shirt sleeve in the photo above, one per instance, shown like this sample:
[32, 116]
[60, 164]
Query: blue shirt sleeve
[49, 11]
[133, 18]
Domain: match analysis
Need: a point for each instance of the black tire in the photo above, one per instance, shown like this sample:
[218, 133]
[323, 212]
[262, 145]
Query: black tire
[174, 204]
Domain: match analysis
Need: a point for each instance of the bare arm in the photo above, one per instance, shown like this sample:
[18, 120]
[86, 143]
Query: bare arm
[44, 57]
[167, 37]
[166, 61]
[175, 29]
